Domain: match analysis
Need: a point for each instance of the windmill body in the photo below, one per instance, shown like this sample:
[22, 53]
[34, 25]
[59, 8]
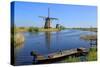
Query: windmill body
[47, 23]
[48, 20]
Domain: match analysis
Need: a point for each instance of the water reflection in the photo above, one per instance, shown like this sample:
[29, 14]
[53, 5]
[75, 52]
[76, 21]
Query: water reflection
[48, 40]
[34, 33]
[20, 39]
[19, 46]
[57, 37]
[17, 49]
[48, 37]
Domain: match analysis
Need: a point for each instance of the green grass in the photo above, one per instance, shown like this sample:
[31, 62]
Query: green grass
[92, 55]
[72, 59]
[86, 29]
[34, 29]
[50, 29]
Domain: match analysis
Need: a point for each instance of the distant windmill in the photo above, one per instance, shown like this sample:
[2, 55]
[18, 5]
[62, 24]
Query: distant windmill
[48, 19]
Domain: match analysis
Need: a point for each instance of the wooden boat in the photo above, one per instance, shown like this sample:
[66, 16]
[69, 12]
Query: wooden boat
[61, 54]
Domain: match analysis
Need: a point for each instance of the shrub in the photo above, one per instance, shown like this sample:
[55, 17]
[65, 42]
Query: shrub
[72, 59]
[33, 29]
[92, 56]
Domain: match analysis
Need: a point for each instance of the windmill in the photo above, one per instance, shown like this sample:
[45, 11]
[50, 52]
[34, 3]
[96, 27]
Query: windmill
[48, 20]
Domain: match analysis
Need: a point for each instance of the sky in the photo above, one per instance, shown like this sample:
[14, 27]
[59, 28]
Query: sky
[27, 14]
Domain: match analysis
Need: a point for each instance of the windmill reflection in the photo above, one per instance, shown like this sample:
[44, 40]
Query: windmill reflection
[48, 39]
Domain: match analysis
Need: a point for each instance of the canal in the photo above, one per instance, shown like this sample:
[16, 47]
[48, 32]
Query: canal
[48, 42]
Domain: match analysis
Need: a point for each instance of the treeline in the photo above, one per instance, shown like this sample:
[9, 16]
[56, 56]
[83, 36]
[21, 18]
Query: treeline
[33, 29]
[86, 29]
[36, 29]
[26, 29]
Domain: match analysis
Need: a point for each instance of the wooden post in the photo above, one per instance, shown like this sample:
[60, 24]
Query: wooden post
[34, 56]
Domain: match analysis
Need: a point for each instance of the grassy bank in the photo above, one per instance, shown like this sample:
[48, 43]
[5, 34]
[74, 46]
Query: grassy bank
[89, 37]
[72, 59]
[86, 29]
[38, 29]
[91, 56]
[34, 29]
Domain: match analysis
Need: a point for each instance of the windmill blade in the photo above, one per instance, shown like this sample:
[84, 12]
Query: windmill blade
[54, 18]
[48, 12]
[42, 17]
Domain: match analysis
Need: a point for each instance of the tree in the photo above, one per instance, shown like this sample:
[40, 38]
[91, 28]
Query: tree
[62, 27]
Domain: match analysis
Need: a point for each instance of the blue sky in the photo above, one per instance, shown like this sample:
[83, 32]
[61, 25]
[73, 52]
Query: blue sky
[26, 14]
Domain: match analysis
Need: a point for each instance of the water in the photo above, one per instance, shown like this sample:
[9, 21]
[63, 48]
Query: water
[48, 42]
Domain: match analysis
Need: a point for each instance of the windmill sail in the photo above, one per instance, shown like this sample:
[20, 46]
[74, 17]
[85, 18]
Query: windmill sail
[48, 19]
